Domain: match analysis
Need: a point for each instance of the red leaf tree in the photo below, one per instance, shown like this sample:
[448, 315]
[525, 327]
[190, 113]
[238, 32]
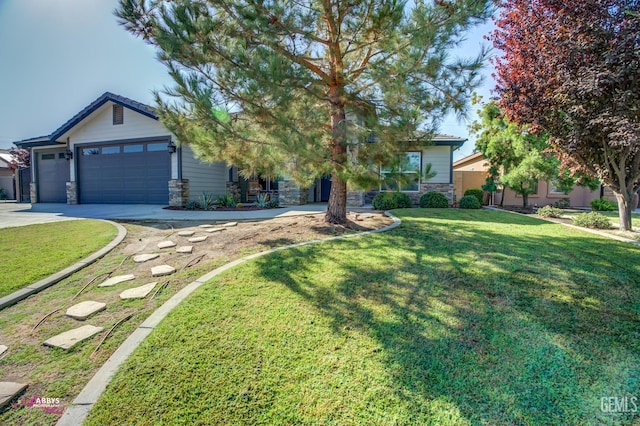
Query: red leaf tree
[573, 71]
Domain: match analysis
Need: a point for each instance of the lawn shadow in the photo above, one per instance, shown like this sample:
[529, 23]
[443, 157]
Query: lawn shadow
[530, 327]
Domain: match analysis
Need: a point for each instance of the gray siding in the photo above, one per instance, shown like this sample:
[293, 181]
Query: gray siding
[203, 177]
[440, 159]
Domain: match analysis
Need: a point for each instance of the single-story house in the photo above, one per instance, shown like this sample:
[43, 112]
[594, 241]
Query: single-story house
[117, 151]
[7, 180]
[471, 172]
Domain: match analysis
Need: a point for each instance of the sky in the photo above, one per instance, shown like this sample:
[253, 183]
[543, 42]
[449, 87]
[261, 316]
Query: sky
[57, 56]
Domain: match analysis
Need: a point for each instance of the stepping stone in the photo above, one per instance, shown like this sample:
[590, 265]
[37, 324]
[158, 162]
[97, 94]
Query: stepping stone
[210, 230]
[158, 271]
[166, 244]
[70, 338]
[3, 349]
[84, 310]
[138, 292]
[197, 239]
[186, 233]
[9, 390]
[205, 226]
[184, 249]
[117, 280]
[230, 224]
[141, 258]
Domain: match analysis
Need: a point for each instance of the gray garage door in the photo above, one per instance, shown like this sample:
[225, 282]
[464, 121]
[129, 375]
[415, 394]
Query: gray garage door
[53, 174]
[124, 173]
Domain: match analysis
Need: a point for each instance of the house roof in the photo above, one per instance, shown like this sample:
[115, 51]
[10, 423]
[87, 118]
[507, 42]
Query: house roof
[106, 97]
[468, 159]
[52, 139]
[5, 159]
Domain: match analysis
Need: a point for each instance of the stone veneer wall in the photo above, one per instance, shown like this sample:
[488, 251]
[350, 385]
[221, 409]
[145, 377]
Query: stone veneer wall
[72, 193]
[178, 192]
[33, 192]
[290, 194]
[355, 198]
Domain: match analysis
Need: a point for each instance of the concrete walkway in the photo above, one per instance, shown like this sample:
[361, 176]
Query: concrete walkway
[21, 214]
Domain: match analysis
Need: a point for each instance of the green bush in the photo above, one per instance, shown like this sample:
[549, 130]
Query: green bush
[602, 205]
[562, 203]
[434, 200]
[478, 193]
[470, 202]
[226, 200]
[391, 200]
[592, 220]
[549, 211]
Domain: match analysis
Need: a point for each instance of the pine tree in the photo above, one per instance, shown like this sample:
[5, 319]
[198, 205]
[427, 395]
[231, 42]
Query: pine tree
[300, 88]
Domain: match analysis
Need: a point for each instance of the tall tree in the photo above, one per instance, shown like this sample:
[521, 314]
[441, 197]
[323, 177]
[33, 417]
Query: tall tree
[573, 71]
[516, 156]
[267, 85]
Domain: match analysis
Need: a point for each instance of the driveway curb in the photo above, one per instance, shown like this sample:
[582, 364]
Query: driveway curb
[23, 293]
[77, 412]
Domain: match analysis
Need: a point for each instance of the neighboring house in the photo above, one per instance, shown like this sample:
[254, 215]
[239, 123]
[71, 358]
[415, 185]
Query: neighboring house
[7, 180]
[471, 172]
[116, 151]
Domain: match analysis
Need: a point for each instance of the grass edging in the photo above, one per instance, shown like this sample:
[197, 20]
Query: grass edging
[79, 409]
[568, 225]
[25, 292]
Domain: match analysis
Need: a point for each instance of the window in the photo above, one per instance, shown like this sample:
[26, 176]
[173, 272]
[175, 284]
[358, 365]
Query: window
[90, 151]
[118, 114]
[402, 174]
[48, 156]
[61, 155]
[133, 148]
[111, 150]
[157, 147]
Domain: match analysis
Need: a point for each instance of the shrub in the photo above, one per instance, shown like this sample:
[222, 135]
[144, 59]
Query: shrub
[470, 202]
[434, 200]
[562, 203]
[478, 193]
[3, 194]
[548, 211]
[206, 201]
[226, 200]
[592, 220]
[602, 205]
[391, 200]
[192, 205]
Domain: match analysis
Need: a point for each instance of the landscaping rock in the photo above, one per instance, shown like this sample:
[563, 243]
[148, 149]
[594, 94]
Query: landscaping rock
[158, 271]
[3, 349]
[186, 233]
[84, 310]
[166, 244]
[9, 390]
[138, 292]
[117, 280]
[184, 249]
[141, 258]
[197, 239]
[210, 230]
[230, 224]
[205, 226]
[70, 338]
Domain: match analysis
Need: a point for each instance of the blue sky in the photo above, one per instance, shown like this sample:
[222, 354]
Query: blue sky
[56, 56]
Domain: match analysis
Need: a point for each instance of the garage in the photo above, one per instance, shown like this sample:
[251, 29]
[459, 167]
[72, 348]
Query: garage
[53, 174]
[124, 173]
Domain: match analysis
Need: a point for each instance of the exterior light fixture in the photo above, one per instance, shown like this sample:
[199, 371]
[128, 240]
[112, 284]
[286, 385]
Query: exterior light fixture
[172, 148]
[68, 154]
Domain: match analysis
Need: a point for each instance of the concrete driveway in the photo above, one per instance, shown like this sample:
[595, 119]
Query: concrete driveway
[21, 214]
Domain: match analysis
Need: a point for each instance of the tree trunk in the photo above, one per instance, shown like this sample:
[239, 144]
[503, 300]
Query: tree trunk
[525, 200]
[337, 205]
[625, 208]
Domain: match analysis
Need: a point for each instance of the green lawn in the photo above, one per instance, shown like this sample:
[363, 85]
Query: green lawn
[455, 317]
[31, 253]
